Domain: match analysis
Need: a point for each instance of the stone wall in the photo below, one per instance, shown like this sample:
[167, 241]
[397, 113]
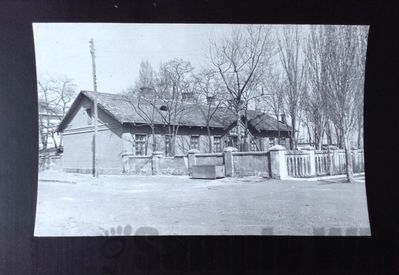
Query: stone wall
[137, 165]
[251, 164]
[236, 163]
[176, 165]
[209, 159]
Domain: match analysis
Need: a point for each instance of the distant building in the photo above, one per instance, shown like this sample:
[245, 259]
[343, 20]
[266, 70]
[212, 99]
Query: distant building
[121, 131]
[48, 124]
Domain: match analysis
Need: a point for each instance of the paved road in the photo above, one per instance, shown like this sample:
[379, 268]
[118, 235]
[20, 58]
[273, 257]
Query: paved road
[77, 205]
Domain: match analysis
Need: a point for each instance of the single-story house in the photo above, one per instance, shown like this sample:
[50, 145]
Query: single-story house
[122, 130]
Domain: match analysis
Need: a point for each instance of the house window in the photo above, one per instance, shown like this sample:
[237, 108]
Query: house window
[140, 145]
[217, 144]
[271, 142]
[89, 116]
[187, 96]
[233, 140]
[194, 142]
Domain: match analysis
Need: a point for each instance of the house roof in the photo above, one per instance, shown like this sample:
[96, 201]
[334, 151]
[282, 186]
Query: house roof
[120, 108]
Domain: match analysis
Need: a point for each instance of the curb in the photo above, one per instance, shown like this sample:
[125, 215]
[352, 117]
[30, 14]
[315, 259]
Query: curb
[59, 181]
[324, 177]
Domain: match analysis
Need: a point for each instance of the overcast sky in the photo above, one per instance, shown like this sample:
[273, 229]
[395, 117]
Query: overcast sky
[62, 49]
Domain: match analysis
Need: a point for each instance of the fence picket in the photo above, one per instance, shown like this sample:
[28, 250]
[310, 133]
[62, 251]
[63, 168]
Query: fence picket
[298, 162]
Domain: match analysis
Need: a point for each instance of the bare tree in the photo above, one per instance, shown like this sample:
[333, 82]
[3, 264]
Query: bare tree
[294, 66]
[240, 59]
[209, 96]
[158, 97]
[174, 81]
[143, 98]
[363, 36]
[273, 90]
[344, 78]
[55, 97]
[315, 105]
[45, 110]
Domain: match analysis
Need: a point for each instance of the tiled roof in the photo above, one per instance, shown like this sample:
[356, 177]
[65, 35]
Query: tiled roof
[120, 107]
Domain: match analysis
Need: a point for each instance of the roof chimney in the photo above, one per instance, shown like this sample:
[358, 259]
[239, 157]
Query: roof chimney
[145, 90]
[187, 96]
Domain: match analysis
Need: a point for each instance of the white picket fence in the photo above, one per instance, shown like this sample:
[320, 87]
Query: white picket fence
[300, 163]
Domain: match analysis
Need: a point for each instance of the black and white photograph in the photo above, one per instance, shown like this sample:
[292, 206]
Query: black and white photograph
[200, 129]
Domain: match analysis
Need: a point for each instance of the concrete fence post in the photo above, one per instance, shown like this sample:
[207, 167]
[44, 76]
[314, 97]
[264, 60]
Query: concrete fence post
[125, 163]
[312, 160]
[278, 162]
[228, 161]
[155, 162]
[191, 160]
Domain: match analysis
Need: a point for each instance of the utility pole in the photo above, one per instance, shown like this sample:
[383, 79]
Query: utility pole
[93, 61]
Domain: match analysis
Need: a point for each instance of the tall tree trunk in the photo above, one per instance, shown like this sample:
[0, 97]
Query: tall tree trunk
[173, 145]
[292, 138]
[338, 136]
[359, 134]
[42, 137]
[61, 137]
[54, 140]
[329, 160]
[170, 137]
[47, 129]
[209, 138]
[278, 129]
[239, 142]
[246, 143]
[328, 133]
[316, 140]
[341, 137]
[348, 159]
[154, 139]
[320, 142]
